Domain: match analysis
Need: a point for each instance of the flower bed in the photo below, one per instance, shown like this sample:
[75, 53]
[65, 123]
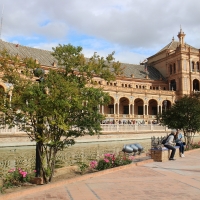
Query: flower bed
[111, 160]
[194, 145]
[16, 177]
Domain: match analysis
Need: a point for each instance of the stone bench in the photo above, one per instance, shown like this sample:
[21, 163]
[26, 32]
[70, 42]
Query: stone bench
[163, 154]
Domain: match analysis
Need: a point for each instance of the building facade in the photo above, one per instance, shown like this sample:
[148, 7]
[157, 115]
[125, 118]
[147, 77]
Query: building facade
[144, 90]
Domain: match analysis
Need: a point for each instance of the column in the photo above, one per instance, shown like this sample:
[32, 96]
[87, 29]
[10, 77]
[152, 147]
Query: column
[157, 109]
[102, 109]
[147, 109]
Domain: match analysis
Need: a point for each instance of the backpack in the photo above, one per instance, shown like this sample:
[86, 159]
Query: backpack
[164, 140]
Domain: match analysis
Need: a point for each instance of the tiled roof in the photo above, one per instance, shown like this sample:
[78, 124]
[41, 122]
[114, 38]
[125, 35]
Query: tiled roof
[42, 56]
[45, 58]
[141, 72]
[173, 45]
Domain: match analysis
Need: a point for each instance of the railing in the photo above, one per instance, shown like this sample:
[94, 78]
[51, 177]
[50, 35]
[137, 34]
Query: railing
[132, 127]
[8, 130]
[106, 128]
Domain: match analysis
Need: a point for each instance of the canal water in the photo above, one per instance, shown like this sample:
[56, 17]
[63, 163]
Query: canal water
[24, 157]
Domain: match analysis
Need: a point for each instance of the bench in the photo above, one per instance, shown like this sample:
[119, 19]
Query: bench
[162, 154]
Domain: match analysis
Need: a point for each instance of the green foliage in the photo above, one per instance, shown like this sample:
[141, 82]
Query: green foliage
[110, 161]
[59, 164]
[195, 145]
[16, 177]
[83, 167]
[184, 114]
[59, 107]
[104, 164]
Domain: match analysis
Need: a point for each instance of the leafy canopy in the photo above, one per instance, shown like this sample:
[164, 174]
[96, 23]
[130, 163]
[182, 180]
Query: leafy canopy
[184, 114]
[55, 107]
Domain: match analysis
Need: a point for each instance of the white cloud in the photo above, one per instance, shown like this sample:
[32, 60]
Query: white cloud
[134, 29]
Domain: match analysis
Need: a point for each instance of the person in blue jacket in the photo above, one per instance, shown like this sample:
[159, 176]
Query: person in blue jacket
[179, 142]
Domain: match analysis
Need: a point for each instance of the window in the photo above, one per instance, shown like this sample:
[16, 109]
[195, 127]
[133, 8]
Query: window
[174, 68]
[193, 66]
[173, 85]
[198, 66]
[170, 69]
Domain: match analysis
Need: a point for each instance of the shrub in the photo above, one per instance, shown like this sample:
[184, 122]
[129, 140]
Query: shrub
[110, 161]
[83, 167]
[195, 145]
[16, 177]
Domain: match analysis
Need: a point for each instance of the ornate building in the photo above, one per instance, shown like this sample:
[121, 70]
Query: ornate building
[144, 90]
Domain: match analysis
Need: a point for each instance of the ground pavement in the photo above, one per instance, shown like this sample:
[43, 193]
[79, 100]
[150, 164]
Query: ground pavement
[178, 179]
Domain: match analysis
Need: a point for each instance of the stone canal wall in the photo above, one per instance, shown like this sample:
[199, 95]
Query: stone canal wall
[24, 140]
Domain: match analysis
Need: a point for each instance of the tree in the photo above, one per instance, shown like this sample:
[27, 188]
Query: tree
[184, 114]
[62, 104]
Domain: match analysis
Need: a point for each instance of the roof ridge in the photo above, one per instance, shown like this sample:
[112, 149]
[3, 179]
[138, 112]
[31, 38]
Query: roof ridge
[25, 46]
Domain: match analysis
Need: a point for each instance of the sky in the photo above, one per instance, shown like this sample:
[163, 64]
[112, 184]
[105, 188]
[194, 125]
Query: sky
[133, 29]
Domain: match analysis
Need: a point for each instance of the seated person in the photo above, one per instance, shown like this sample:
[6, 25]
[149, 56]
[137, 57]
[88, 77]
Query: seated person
[179, 142]
[170, 144]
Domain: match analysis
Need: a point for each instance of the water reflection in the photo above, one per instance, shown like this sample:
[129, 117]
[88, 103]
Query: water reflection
[24, 157]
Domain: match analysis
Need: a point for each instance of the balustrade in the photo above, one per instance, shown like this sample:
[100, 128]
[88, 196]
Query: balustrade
[105, 128]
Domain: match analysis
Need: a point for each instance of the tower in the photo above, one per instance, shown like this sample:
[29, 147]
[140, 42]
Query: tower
[181, 36]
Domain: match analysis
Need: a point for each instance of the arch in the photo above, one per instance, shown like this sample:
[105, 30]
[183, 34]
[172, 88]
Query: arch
[153, 107]
[195, 85]
[166, 104]
[109, 109]
[139, 106]
[124, 105]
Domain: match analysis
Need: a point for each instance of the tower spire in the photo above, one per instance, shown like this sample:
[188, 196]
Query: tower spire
[181, 36]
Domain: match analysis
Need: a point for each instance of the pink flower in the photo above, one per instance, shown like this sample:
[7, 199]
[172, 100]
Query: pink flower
[11, 170]
[93, 164]
[131, 157]
[106, 160]
[24, 174]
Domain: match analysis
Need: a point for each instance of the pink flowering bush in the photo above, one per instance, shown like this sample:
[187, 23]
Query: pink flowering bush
[17, 177]
[93, 164]
[195, 145]
[110, 161]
